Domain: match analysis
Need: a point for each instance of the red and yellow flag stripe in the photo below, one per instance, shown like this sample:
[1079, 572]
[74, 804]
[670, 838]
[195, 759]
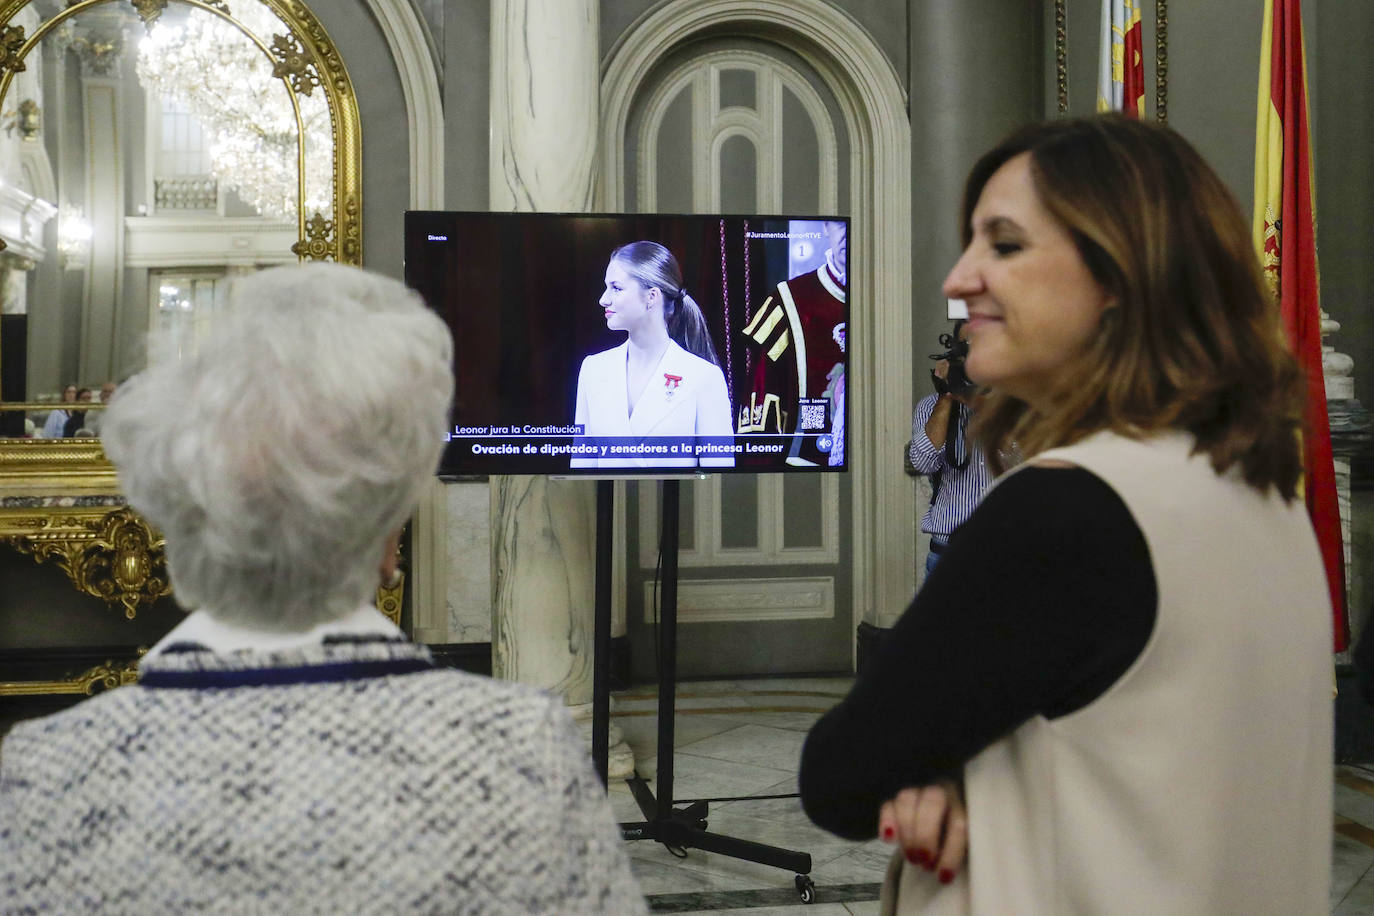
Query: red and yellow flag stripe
[1121, 68]
[1285, 239]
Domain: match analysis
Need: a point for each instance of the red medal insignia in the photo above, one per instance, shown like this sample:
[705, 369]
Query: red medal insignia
[671, 381]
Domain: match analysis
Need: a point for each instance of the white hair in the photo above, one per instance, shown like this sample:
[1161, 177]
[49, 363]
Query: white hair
[278, 459]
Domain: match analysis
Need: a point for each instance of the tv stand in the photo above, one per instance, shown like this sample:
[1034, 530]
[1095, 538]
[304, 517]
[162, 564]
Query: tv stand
[685, 827]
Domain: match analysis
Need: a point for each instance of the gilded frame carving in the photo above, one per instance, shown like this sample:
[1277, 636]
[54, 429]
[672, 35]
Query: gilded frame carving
[1162, 61]
[59, 499]
[1061, 56]
[101, 677]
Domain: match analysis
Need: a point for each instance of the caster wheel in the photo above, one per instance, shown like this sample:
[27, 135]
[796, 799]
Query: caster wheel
[807, 888]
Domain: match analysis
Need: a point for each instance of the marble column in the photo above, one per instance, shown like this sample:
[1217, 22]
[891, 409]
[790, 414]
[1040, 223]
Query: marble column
[957, 114]
[104, 191]
[545, 91]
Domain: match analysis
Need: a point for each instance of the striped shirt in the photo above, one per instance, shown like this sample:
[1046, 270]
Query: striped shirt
[960, 490]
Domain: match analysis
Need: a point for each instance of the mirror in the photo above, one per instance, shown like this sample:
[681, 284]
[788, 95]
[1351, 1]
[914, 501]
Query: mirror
[149, 151]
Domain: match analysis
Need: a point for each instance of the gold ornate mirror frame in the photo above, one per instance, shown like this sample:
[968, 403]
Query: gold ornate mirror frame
[60, 499]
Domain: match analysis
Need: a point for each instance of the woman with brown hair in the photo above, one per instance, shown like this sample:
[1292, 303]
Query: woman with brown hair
[1122, 660]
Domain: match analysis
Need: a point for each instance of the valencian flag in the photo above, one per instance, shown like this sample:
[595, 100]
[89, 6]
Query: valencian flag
[1285, 238]
[1121, 68]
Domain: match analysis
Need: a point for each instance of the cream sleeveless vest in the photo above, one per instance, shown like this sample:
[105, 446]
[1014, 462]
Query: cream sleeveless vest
[1199, 783]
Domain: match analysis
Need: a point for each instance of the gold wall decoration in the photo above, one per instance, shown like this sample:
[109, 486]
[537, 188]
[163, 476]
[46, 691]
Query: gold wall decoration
[103, 677]
[1061, 56]
[323, 51]
[351, 229]
[390, 597]
[293, 65]
[101, 56]
[11, 40]
[1162, 61]
[319, 239]
[115, 557]
[149, 10]
[30, 122]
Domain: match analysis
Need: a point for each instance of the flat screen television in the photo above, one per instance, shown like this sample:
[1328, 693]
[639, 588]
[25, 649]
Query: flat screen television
[575, 354]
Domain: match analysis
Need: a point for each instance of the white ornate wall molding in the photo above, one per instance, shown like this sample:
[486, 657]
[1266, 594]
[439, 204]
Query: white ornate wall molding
[771, 550]
[761, 125]
[22, 218]
[873, 104]
[405, 36]
[171, 241]
[102, 298]
[740, 600]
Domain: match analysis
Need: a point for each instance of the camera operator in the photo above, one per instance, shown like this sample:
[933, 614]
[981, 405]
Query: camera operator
[940, 448]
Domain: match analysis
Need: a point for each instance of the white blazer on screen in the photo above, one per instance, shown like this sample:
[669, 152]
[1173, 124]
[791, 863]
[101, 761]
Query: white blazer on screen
[685, 397]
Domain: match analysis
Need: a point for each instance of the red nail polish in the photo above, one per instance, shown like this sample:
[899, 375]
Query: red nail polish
[888, 833]
[913, 857]
[946, 876]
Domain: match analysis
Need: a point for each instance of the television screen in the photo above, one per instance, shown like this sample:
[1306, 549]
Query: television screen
[610, 345]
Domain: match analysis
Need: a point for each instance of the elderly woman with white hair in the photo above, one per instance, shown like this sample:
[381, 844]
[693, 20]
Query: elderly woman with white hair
[286, 749]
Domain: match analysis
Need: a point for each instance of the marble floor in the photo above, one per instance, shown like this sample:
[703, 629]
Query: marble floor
[737, 738]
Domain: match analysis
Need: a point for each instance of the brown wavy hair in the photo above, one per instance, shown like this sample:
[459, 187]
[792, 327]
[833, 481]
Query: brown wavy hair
[1190, 339]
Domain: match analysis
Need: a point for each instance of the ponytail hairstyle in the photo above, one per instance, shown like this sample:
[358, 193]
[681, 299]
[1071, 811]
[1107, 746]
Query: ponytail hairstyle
[651, 264]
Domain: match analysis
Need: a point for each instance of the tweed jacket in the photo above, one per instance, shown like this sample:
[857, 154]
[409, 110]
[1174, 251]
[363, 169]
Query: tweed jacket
[351, 776]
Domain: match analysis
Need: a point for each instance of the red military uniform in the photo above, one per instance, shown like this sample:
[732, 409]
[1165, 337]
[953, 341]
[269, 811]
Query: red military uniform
[795, 338]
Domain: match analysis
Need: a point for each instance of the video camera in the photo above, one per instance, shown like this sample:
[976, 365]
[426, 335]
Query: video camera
[956, 381]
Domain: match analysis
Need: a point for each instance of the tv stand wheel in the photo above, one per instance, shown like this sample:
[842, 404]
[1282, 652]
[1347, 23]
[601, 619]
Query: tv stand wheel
[807, 888]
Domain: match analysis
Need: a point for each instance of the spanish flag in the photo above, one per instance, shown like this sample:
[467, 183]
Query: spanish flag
[1285, 238]
[1121, 67]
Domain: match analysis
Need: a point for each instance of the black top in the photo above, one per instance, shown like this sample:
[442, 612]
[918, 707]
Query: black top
[1042, 600]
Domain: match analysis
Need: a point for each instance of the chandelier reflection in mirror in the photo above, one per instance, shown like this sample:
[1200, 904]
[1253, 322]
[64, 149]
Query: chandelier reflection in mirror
[223, 78]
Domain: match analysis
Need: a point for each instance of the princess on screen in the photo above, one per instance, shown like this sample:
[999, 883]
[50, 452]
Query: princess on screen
[797, 356]
[659, 400]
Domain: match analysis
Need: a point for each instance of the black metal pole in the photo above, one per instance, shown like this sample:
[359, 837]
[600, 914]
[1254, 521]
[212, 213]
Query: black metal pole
[601, 630]
[686, 828]
[667, 651]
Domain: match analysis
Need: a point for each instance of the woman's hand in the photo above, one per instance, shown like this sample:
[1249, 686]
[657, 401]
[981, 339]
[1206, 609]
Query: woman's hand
[930, 824]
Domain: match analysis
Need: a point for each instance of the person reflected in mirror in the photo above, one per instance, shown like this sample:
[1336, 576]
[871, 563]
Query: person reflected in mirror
[76, 419]
[94, 418]
[1118, 677]
[942, 448]
[57, 417]
[662, 385]
[286, 748]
